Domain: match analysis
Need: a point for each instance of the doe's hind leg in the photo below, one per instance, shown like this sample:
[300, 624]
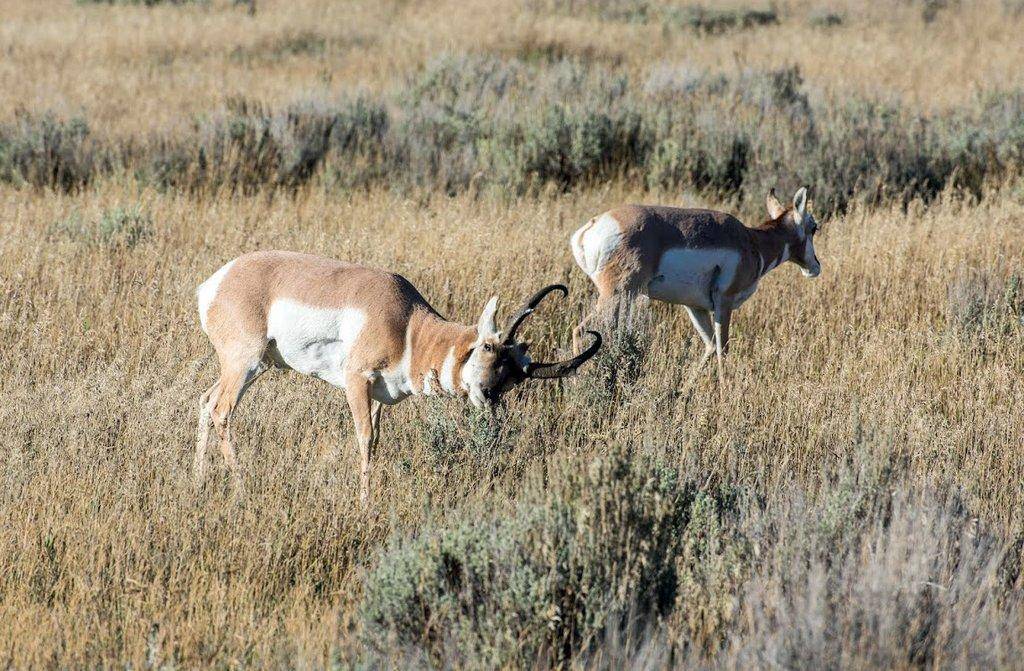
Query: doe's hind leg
[616, 298]
[602, 311]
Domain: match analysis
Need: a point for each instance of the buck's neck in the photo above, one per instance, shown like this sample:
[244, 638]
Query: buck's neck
[438, 350]
[772, 245]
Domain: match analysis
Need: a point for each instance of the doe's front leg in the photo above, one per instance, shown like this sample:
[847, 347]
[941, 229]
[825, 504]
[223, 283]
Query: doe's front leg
[722, 317]
[721, 309]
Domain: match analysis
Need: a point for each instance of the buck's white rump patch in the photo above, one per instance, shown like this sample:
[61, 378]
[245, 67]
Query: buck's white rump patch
[314, 341]
[207, 291]
[594, 242]
[685, 276]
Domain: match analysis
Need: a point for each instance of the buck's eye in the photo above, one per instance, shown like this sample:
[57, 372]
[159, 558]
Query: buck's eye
[488, 347]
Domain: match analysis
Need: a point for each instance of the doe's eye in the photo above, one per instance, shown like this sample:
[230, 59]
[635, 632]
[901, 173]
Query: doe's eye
[488, 347]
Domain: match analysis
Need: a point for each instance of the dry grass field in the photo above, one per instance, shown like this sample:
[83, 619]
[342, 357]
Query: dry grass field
[855, 501]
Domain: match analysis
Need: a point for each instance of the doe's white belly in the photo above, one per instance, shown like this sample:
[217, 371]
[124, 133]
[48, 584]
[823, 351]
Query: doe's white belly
[314, 341]
[689, 276]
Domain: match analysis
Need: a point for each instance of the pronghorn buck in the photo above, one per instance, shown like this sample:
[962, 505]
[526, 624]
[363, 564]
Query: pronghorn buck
[365, 330]
[706, 261]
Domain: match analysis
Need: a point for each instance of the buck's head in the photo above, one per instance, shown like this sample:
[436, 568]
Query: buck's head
[802, 226]
[497, 362]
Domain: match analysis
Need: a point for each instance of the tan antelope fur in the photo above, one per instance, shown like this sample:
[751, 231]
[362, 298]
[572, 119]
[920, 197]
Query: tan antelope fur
[364, 330]
[706, 261]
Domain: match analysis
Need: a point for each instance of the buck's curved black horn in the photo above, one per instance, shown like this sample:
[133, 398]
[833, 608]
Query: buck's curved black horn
[528, 308]
[550, 371]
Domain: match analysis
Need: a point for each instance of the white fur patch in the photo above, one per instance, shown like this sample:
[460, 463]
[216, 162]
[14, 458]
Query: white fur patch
[395, 385]
[810, 259]
[315, 341]
[448, 372]
[485, 326]
[592, 244]
[471, 374]
[685, 276]
[207, 291]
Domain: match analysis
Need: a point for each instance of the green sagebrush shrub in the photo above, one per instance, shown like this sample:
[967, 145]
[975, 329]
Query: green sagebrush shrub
[481, 122]
[250, 147]
[621, 542]
[115, 228]
[695, 17]
[47, 151]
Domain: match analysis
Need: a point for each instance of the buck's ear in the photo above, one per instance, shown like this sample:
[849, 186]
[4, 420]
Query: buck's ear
[800, 202]
[775, 208]
[485, 327]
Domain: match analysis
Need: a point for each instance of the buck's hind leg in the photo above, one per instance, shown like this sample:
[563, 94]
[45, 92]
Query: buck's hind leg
[237, 374]
[203, 432]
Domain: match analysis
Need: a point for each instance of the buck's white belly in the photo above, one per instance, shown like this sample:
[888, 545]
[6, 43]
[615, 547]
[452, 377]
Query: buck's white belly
[686, 276]
[314, 341]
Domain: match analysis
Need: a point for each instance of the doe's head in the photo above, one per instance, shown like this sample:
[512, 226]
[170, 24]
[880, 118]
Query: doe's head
[802, 225]
[498, 362]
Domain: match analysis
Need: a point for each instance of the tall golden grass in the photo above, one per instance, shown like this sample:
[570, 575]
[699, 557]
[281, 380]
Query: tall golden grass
[135, 68]
[908, 349]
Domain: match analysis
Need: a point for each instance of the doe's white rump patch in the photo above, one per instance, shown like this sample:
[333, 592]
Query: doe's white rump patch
[207, 291]
[593, 243]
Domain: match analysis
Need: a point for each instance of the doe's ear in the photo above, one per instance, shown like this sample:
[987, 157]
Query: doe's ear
[800, 201]
[775, 209]
[485, 327]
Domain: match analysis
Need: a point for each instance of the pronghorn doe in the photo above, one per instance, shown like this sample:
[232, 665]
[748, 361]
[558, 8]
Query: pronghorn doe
[707, 261]
[365, 330]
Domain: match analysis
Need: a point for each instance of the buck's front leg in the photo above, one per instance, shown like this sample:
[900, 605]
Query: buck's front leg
[357, 392]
